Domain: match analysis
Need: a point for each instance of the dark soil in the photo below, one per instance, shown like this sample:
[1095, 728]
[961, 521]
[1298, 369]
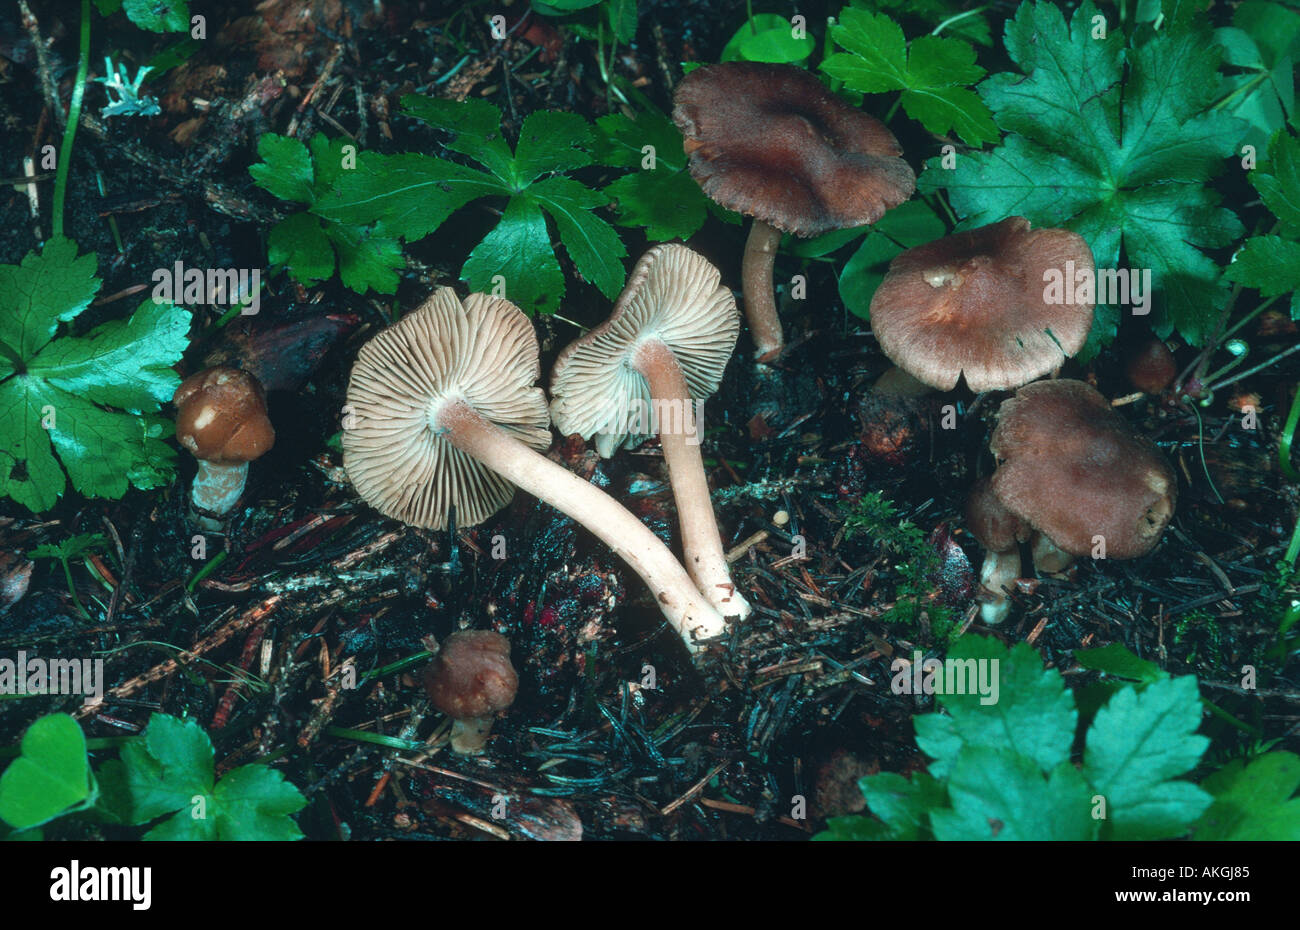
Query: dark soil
[796, 703]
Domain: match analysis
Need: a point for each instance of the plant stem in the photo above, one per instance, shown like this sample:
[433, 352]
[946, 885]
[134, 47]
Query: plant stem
[1284, 458]
[70, 130]
[1258, 368]
[72, 589]
[952, 19]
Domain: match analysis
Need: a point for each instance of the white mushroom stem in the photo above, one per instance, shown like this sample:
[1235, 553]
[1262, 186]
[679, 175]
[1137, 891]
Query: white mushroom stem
[760, 297]
[998, 573]
[1049, 558]
[701, 542]
[686, 609]
[217, 487]
[469, 736]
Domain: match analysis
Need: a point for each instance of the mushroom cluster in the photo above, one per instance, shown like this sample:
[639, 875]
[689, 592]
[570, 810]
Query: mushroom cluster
[1073, 479]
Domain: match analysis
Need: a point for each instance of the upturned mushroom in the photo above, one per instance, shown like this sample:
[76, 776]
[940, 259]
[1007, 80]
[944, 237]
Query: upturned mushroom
[664, 347]
[1073, 469]
[472, 680]
[772, 142]
[221, 419]
[1000, 532]
[445, 415]
[980, 304]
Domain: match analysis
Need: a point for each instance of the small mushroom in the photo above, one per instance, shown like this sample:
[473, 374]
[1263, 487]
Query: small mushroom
[1151, 367]
[1074, 470]
[771, 142]
[447, 416]
[221, 419]
[1000, 532]
[665, 345]
[978, 304]
[471, 680]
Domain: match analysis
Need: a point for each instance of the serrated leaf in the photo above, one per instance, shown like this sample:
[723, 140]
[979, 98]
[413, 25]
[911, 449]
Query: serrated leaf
[551, 142]
[592, 244]
[519, 251]
[665, 205]
[1000, 795]
[49, 287]
[1138, 744]
[904, 804]
[1270, 264]
[300, 244]
[1253, 801]
[475, 128]
[285, 169]
[366, 261]
[1278, 181]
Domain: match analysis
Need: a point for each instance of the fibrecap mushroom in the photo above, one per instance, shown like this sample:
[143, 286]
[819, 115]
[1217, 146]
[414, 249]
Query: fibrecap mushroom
[472, 680]
[447, 415]
[221, 419]
[978, 304]
[664, 347]
[772, 142]
[1000, 532]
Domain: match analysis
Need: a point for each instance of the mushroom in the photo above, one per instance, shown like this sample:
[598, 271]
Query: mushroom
[771, 142]
[978, 304]
[1074, 470]
[221, 419]
[1000, 532]
[445, 415]
[471, 680]
[664, 347]
[1151, 367]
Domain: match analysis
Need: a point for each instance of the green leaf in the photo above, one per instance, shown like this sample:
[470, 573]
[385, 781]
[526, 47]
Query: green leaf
[1270, 264]
[931, 73]
[70, 548]
[853, 829]
[61, 399]
[1278, 182]
[664, 199]
[592, 244]
[300, 244]
[1002, 795]
[904, 804]
[121, 363]
[622, 19]
[171, 772]
[159, 15]
[285, 169]
[50, 776]
[550, 142]
[1120, 160]
[1117, 660]
[519, 251]
[1137, 746]
[49, 287]
[1253, 801]
[769, 38]
[906, 226]
[475, 127]
[366, 261]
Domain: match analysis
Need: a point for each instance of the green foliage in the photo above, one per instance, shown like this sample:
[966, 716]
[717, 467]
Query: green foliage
[1009, 769]
[50, 778]
[153, 15]
[589, 18]
[309, 246]
[931, 71]
[658, 193]
[1271, 264]
[906, 226]
[409, 196]
[170, 772]
[1260, 46]
[1115, 143]
[875, 516]
[1253, 801]
[951, 16]
[91, 398]
[770, 38]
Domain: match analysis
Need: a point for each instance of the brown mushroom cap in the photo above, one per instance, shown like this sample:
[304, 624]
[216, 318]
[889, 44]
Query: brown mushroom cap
[484, 352]
[975, 303]
[1073, 468]
[1151, 367]
[471, 676]
[996, 528]
[221, 416]
[672, 295]
[770, 141]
